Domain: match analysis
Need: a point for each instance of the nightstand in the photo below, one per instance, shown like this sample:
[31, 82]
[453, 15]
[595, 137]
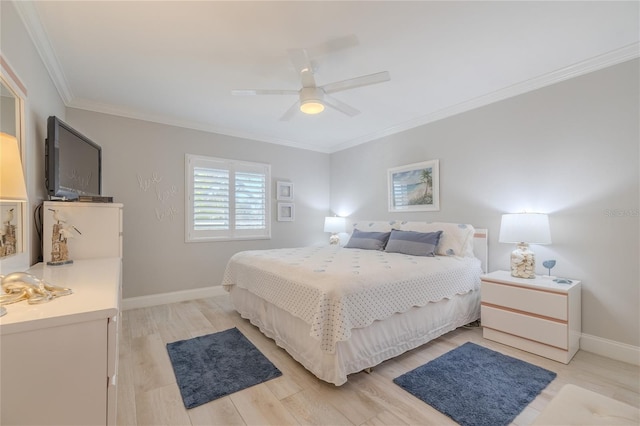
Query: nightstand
[536, 315]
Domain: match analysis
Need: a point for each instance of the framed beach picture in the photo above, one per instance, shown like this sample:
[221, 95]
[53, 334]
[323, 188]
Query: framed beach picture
[286, 212]
[414, 187]
[284, 191]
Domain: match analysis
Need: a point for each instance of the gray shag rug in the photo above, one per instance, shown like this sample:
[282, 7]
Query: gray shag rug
[476, 386]
[212, 366]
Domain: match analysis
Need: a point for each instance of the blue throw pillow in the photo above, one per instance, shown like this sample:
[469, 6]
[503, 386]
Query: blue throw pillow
[413, 243]
[368, 240]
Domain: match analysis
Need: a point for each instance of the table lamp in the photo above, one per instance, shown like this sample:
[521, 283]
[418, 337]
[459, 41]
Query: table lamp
[524, 229]
[335, 225]
[12, 186]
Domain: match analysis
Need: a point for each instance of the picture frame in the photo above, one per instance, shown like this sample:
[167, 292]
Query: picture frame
[414, 187]
[284, 191]
[286, 212]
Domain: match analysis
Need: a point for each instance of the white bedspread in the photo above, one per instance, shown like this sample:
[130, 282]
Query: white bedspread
[335, 290]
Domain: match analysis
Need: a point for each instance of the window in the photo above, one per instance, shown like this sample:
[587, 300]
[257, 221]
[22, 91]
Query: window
[226, 199]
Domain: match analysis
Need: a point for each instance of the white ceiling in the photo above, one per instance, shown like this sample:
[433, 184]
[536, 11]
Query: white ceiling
[177, 62]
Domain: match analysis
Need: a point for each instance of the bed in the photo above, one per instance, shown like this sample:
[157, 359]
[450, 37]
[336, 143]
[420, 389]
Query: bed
[340, 310]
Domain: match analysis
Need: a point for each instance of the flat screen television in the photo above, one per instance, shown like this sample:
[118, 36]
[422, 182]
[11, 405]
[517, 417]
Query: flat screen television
[73, 163]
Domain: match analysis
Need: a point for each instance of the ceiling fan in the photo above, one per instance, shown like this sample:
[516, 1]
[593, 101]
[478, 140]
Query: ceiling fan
[312, 98]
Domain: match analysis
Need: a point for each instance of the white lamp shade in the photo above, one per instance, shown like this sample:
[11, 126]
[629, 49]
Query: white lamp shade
[334, 224]
[12, 186]
[530, 228]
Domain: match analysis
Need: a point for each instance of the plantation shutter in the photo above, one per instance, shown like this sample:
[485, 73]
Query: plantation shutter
[226, 199]
[250, 200]
[210, 199]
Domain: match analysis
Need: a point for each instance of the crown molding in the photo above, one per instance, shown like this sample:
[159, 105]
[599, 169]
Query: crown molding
[32, 23]
[87, 105]
[614, 57]
[596, 63]
[31, 20]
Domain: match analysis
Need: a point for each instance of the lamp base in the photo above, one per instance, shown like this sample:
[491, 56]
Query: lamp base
[334, 240]
[523, 262]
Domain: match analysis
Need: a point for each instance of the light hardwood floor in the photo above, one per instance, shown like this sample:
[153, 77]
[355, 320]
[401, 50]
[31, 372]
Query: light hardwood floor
[148, 394]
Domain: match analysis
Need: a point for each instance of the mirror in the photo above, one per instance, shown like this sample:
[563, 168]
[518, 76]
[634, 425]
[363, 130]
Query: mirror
[14, 253]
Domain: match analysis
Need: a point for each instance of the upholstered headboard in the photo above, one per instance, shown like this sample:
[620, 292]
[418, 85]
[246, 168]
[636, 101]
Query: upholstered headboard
[457, 239]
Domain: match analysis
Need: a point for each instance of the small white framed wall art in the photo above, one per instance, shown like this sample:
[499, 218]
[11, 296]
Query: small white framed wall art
[286, 212]
[284, 191]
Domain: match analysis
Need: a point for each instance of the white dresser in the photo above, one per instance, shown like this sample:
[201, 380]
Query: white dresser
[59, 359]
[100, 226]
[536, 315]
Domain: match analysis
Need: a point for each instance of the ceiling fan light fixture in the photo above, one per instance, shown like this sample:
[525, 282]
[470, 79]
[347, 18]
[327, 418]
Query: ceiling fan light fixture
[311, 100]
[311, 106]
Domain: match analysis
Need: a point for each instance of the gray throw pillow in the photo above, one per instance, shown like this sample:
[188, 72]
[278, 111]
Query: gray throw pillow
[413, 243]
[368, 240]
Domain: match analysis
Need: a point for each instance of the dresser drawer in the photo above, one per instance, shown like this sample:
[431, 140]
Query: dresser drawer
[539, 302]
[538, 329]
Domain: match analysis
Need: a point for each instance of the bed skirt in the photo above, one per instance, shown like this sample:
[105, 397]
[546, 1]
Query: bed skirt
[368, 346]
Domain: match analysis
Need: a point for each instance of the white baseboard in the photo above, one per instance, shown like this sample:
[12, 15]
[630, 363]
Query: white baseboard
[610, 349]
[173, 297]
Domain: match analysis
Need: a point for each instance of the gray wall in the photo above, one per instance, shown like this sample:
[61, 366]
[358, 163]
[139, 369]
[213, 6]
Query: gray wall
[570, 150]
[156, 258]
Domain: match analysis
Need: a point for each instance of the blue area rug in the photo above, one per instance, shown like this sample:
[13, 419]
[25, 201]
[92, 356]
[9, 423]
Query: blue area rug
[476, 386]
[212, 366]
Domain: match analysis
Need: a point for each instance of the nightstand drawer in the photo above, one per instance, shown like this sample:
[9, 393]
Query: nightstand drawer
[538, 329]
[539, 302]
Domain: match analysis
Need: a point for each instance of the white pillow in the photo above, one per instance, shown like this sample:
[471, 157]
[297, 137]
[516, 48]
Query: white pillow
[456, 238]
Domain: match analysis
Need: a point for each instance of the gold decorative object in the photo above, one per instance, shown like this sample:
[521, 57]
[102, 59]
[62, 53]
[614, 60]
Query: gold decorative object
[19, 286]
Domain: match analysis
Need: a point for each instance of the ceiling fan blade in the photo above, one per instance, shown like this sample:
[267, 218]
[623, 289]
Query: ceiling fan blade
[352, 83]
[301, 62]
[252, 92]
[288, 115]
[340, 106]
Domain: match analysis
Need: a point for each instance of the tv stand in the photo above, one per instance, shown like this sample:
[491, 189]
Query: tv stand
[59, 199]
[95, 199]
[83, 199]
